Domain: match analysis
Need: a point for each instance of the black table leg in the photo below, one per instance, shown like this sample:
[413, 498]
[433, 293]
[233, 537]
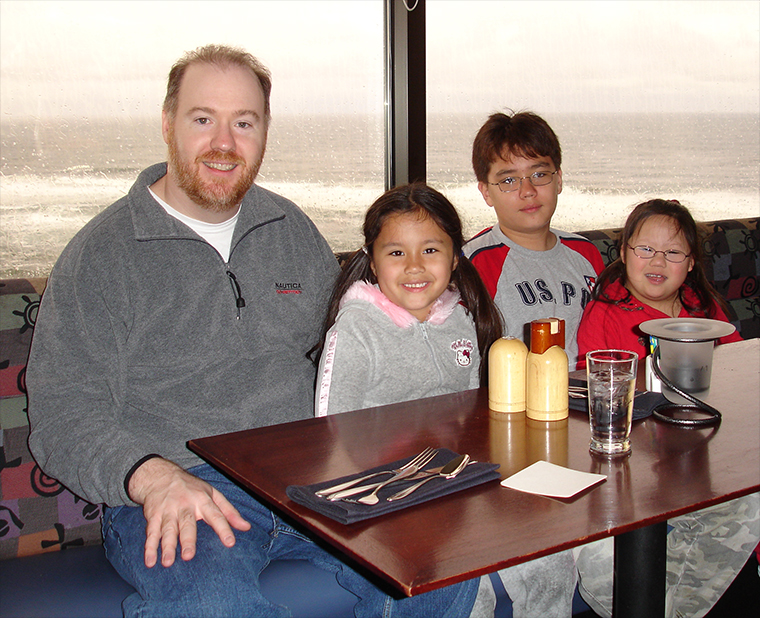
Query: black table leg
[639, 578]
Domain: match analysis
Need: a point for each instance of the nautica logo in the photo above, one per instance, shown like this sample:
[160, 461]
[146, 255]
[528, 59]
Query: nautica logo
[288, 288]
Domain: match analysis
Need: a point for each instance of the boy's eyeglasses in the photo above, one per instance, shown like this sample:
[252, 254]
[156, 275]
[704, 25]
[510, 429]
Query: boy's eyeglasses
[512, 183]
[647, 253]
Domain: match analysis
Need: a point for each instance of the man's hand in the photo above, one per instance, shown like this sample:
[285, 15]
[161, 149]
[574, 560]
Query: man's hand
[173, 501]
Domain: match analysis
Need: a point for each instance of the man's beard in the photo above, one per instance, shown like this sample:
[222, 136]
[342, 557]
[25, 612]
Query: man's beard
[215, 196]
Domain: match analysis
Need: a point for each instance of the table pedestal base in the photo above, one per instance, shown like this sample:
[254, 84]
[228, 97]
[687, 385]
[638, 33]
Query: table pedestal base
[640, 567]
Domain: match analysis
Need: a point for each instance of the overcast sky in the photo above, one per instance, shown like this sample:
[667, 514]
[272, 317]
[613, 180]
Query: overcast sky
[91, 59]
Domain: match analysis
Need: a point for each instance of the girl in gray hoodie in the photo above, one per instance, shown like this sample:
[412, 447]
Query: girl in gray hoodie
[409, 316]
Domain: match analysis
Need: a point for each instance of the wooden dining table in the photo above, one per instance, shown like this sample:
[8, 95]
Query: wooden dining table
[671, 470]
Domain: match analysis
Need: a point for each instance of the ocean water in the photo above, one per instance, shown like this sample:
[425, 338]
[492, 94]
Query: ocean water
[54, 177]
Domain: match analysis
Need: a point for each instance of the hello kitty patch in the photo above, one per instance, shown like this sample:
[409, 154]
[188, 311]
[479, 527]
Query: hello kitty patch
[463, 349]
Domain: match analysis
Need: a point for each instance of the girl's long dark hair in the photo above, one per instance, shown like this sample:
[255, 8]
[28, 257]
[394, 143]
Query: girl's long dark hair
[419, 198]
[696, 280]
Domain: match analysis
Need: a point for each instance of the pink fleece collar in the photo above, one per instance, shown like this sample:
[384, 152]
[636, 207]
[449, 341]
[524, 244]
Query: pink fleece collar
[439, 312]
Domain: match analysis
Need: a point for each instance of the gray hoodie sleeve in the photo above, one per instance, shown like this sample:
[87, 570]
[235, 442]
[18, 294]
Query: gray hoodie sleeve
[344, 372]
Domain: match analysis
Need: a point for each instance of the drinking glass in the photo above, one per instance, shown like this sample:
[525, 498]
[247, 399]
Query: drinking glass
[611, 386]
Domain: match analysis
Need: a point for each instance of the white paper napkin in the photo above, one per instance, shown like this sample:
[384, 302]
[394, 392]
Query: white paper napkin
[548, 479]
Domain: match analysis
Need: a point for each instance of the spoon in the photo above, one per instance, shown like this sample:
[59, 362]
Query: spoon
[449, 471]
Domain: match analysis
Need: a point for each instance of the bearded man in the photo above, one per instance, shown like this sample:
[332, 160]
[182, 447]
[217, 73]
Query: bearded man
[164, 320]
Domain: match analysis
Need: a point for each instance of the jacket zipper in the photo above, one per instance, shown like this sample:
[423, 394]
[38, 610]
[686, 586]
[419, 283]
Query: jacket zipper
[239, 300]
[433, 355]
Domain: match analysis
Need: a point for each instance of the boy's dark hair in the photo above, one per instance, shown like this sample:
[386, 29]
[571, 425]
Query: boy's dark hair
[424, 201]
[522, 134]
[696, 280]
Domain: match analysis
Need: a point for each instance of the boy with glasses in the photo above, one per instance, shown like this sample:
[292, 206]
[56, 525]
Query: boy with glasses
[531, 270]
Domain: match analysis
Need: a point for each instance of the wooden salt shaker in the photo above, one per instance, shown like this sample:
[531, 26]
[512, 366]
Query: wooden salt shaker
[506, 375]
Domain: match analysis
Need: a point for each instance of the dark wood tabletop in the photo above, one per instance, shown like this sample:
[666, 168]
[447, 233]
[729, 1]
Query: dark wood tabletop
[671, 471]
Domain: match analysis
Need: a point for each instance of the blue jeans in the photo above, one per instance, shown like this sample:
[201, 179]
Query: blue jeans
[221, 581]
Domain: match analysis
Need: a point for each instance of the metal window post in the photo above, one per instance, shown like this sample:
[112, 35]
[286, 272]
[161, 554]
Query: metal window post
[405, 117]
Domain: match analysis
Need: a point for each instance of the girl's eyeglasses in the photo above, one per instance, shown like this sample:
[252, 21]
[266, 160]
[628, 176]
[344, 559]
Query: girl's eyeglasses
[647, 253]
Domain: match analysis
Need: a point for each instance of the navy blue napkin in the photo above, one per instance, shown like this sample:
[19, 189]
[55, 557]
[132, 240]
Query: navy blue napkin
[644, 402]
[350, 512]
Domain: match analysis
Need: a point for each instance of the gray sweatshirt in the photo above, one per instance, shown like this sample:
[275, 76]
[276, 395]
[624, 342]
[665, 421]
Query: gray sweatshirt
[531, 285]
[377, 353]
[144, 340]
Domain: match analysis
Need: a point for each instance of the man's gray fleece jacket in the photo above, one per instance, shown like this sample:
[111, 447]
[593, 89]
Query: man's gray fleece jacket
[145, 340]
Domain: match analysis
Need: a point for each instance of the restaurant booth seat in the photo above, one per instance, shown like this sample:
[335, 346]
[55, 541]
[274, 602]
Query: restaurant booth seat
[52, 561]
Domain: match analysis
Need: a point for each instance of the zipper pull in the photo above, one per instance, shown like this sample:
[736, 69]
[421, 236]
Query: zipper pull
[423, 329]
[239, 300]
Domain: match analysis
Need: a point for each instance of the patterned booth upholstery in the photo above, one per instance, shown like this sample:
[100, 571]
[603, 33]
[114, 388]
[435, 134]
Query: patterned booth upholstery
[45, 571]
[36, 513]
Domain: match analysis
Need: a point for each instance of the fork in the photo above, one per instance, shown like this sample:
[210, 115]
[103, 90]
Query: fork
[347, 493]
[419, 458]
[372, 497]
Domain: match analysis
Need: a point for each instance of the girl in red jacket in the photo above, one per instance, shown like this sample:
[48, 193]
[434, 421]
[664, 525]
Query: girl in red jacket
[659, 274]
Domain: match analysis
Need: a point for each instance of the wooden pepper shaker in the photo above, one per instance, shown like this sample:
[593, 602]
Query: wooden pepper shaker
[547, 371]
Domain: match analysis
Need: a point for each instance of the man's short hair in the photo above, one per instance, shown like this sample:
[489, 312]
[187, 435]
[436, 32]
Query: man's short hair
[523, 134]
[221, 56]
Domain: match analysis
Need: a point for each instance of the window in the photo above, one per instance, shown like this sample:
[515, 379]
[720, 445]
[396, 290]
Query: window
[83, 84]
[648, 99]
